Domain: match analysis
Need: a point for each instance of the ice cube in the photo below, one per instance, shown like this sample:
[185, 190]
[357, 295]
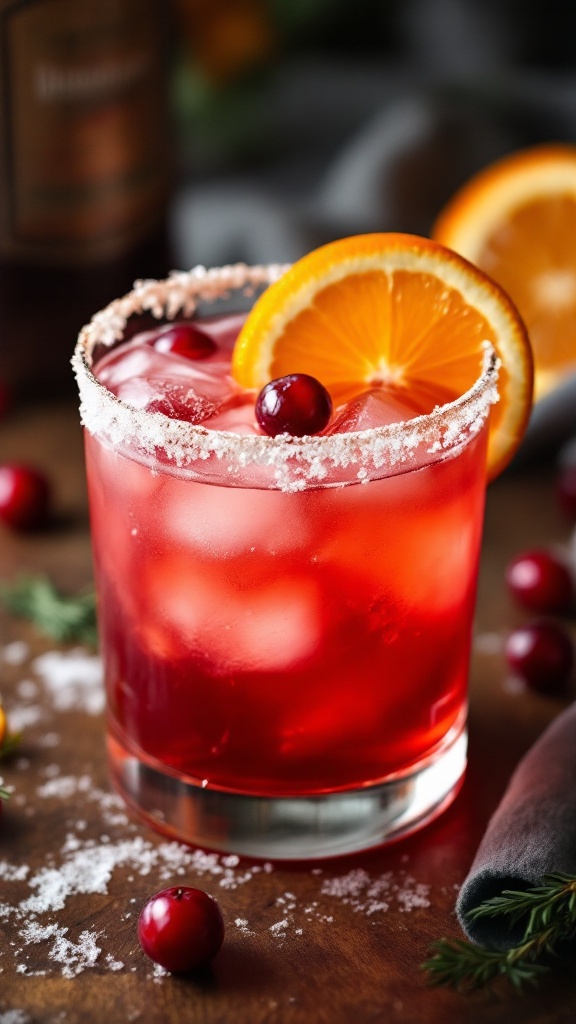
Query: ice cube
[376, 408]
[121, 366]
[171, 396]
[138, 361]
[235, 416]
[256, 629]
[227, 522]
[277, 626]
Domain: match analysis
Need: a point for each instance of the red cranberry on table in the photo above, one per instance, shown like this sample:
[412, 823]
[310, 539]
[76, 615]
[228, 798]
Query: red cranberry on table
[181, 929]
[24, 496]
[540, 581]
[185, 339]
[296, 404]
[542, 654]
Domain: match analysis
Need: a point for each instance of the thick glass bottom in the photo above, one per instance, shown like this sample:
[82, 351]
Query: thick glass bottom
[291, 828]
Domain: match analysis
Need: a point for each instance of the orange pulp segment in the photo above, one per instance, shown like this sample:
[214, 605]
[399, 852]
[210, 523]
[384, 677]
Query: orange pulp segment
[397, 312]
[516, 220]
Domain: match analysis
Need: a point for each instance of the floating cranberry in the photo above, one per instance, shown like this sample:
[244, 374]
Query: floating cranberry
[185, 339]
[566, 490]
[540, 581]
[24, 496]
[542, 654]
[181, 929]
[296, 404]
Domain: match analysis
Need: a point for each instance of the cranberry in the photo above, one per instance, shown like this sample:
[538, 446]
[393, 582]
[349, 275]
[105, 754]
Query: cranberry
[184, 339]
[181, 929]
[24, 496]
[566, 490]
[540, 581]
[542, 654]
[296, 404]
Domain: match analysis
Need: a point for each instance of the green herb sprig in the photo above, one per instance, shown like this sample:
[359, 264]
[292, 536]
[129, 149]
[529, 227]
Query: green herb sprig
[62, 618]
[549, 915]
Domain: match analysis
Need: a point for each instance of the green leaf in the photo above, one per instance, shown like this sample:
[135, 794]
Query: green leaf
[62, 618]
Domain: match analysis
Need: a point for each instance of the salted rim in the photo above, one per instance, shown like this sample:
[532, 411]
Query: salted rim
[297, 462]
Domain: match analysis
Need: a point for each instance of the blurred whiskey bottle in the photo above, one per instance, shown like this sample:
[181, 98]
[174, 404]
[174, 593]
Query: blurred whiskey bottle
[84, 172]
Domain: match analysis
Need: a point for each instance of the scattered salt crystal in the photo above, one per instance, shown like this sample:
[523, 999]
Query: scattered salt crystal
[514, 685]
[13, 872]
[49, 739]
[279, 927]
[488, 643]
[23, 717]
[413, 896]
[357, 889]
[242, 924]
[113, 965]
[15, 653]
[73, 679]
[27, 689]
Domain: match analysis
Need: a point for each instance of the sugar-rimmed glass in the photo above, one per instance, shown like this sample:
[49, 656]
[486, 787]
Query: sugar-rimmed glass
[285, 622]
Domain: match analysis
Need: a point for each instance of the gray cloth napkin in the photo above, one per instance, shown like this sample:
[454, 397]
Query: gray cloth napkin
[532, 832]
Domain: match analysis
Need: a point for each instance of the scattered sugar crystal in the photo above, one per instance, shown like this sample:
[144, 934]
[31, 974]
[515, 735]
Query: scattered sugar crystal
[13, 872]
[413, 896]
[27, 689]
[24, 717]
[49, 739]
[113, 965]
[279, 927]
[16, 652]
[73, 679]
[242, 925]
[514, 685]
[488, 643]
[363, 893]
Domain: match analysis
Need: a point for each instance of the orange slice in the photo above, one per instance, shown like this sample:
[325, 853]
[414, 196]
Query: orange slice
[397, 312]
[2, 725]
[516, 220]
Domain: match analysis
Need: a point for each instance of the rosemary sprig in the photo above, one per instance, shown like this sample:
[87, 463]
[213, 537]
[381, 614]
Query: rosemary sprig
[549, 913]
[62, 618]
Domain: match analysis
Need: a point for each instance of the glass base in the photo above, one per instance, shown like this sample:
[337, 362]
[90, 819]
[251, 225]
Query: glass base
[291, 828]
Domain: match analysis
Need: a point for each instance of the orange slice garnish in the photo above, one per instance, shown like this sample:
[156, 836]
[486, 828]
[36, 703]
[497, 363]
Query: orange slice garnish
[2, 725]
[516, 220]
[397, 312]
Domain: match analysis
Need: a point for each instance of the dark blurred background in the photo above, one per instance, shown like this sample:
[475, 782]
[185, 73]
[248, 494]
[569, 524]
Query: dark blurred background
[283, 124]
[301, 120]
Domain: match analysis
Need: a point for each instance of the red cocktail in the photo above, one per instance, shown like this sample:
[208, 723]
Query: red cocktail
[285, 622]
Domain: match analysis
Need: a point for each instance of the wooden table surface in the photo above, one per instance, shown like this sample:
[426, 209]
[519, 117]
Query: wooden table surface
[340, 941]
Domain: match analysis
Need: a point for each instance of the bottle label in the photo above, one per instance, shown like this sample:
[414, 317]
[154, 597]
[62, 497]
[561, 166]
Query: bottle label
[84, 142]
